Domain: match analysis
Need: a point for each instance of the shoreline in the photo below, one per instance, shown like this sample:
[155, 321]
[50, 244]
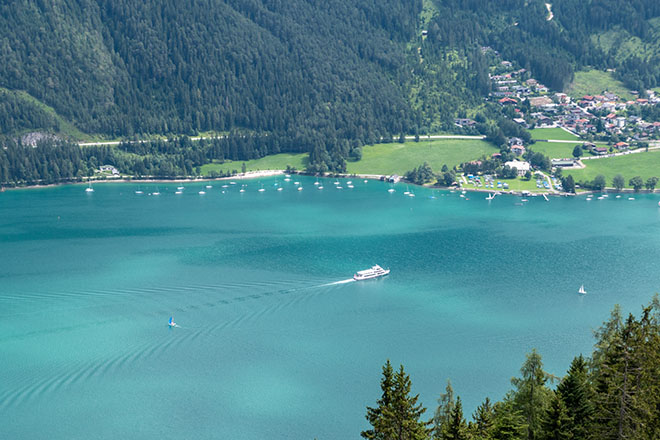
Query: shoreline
[378, 177]
[123, 179]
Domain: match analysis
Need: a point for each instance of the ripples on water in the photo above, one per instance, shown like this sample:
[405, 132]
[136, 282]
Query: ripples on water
[273, 334]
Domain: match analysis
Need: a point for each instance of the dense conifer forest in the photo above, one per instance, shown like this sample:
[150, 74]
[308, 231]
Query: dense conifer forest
[296, 76]
[612, 395]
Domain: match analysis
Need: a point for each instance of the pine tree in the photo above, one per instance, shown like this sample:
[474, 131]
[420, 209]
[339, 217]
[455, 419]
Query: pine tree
[397, 416]
[375, 415]
[577, 395]
[628, 381]
[483, 420]
[457, 428]
[508, 423]
[531, 397]
[443, 413]
[555, 424]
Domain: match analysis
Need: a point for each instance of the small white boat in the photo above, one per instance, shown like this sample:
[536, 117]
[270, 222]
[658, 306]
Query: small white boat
[178, 192]
[351, 186]
[180, 188]
[296, 183]
[89, 188]
[155, 193]
[201, 193]
[138, 192]
[300, 188]
[631, 198]
[618, 197]
[225, 186]
[375, 272]
[349, 182]
[242, 190]
[391, 190]
[209, 186]
[320, 186]
[339, 187]
[261, 190]
[232, 183]
[411, 194]
[280, 188]
[365, 181]
[581, 290]
[287, 180]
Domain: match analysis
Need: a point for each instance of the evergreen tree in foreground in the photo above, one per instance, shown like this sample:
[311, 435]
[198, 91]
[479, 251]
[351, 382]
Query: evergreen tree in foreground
[556, 424]
[532, 397]
[397, 416]
[457, 429]
[484, 418]
[443, 413]
[577, 394]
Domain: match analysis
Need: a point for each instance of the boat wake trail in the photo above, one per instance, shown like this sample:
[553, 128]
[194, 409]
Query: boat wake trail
[350, 280]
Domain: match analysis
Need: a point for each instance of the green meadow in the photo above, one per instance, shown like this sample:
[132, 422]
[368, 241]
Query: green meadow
[555, 133]
[645, 165]
[396, 158]
[595, 82]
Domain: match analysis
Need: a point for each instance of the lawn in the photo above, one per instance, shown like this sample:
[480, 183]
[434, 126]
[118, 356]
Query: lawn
[595, 82]
[396, 158]
[644, 165]
[556, 150]
[273, 162]
[555, 133]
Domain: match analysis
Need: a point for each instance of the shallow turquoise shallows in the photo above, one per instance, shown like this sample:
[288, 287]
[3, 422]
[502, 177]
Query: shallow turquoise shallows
[273, 340]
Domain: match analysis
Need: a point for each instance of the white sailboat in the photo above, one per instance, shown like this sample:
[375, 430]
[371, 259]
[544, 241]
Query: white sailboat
[581, 290]
[89, 188]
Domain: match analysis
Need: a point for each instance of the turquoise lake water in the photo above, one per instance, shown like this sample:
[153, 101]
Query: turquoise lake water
[271, 343]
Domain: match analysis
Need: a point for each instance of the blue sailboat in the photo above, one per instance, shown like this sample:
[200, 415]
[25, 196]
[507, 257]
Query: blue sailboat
[171, 322]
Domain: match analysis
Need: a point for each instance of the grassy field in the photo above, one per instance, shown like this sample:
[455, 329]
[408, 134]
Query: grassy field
[554, 150]
[274, 162]
[390, 158]
[644, 165]
[555, 133]
[395, 158]
[560, 150]
[595, 82]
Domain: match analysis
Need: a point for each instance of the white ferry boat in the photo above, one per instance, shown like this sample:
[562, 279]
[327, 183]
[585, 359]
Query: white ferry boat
[375, 272]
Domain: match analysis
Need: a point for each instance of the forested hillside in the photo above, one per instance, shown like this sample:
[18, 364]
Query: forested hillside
[552, 49]
[323, 77]
[126, 67]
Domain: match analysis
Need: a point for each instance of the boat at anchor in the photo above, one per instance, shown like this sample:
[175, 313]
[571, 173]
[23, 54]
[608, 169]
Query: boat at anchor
[375, 272]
